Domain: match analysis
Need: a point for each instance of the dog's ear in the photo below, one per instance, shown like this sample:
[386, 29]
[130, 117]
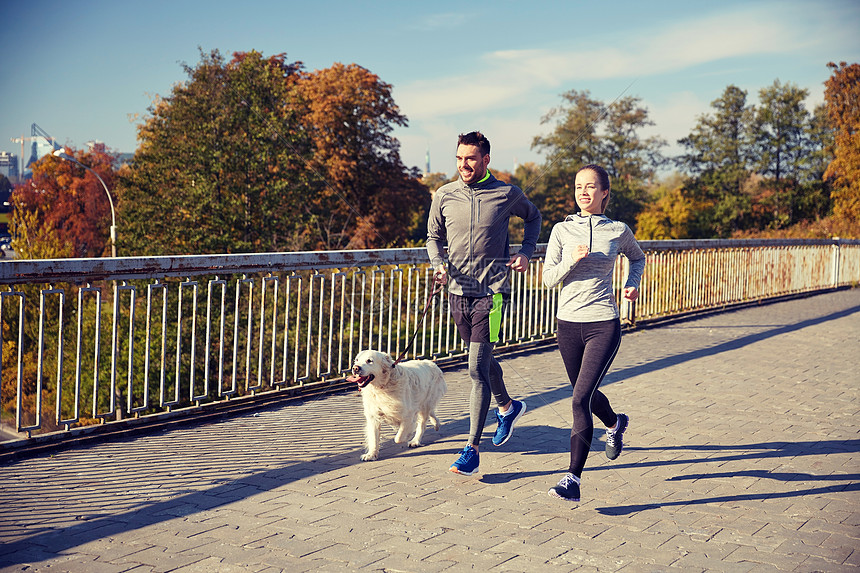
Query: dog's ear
[387, 361]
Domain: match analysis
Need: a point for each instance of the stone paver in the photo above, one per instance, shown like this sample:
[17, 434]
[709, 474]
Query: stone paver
[742, 455]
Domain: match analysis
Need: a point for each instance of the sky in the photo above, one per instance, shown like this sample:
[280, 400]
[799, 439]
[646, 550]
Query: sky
[89, 70]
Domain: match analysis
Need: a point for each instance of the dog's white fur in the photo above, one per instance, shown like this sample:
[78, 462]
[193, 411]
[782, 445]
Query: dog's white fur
[404, 396]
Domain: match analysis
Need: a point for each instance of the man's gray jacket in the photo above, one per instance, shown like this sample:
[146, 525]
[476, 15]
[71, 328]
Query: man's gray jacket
[473, 222]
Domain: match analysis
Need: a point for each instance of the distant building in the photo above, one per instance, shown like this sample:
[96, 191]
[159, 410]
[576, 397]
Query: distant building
[9, 166]
[39, 149]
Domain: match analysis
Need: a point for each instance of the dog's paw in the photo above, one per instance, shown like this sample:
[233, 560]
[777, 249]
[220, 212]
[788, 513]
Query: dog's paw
[414, 444]
[369, 457]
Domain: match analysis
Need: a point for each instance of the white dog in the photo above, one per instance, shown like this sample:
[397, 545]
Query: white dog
[403, 395]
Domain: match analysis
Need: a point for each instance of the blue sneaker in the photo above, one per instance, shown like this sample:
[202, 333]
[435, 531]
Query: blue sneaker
[506, 422]
[567, 489]
[467, 464]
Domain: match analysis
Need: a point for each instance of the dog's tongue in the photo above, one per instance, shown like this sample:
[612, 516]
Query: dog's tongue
[353, 378]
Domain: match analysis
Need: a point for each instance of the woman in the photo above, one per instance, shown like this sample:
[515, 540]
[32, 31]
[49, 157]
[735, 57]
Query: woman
[581, 255]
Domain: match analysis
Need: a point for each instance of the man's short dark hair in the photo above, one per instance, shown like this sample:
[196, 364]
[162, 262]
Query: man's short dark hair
[477, 139]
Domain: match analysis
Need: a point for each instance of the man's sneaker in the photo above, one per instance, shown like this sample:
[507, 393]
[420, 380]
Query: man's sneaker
[614, 441]
[506, 422]
[467, 464]
[567, 489]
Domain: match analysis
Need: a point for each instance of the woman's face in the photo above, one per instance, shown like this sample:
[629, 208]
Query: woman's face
[589, 195]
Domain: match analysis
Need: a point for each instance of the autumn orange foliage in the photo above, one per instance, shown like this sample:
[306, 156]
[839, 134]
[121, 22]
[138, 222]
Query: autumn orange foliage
[63, 211]
[842, 96]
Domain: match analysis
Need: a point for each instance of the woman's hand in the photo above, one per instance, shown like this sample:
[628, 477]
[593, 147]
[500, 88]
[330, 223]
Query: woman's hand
[578, 253]
[631, 293]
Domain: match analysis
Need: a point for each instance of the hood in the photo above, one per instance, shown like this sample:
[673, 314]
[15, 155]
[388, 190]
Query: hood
[586, 219]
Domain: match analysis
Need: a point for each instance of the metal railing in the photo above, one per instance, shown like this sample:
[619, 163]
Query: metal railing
[148, 336]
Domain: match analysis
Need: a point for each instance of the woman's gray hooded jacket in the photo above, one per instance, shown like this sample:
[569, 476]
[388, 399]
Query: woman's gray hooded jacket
[586, 292]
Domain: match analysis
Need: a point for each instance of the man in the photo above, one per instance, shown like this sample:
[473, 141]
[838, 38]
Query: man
[471, 215]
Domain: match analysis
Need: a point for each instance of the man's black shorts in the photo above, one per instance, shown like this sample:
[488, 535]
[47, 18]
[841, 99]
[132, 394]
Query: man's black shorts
[472, 316]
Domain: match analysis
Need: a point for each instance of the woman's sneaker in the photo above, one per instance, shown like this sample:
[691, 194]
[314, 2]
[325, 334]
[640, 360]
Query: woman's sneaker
[614, 441]
[567, 489]
[467, 463]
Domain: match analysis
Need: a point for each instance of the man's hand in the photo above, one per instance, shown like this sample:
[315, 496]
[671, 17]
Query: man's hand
[440, 275]
[631, 293]
[519, 263]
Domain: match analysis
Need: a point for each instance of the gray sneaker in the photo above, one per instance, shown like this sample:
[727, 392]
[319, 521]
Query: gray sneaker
[614, 441]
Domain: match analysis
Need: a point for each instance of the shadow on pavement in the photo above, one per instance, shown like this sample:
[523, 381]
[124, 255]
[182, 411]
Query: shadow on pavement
[628, 509]
[747, 452]
[724, 346]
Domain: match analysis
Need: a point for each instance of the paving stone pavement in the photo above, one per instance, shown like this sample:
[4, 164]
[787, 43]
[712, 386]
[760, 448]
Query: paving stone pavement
[741, 455]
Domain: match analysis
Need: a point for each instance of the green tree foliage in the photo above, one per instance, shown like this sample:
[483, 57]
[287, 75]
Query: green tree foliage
[717, 154]
[842, 97]
[813, 202]
[219, 167]
[717, 148]
[779, 131]
[755, 167]
[589, 131]
[256, 155]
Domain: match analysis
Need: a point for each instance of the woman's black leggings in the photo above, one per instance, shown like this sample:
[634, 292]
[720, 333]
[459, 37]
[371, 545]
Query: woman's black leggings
[587, 349]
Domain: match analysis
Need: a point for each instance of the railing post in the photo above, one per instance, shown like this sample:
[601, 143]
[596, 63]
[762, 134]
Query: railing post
[837, 259]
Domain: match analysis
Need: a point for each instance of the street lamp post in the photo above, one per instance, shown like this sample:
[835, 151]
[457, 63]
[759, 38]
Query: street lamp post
[61, 153]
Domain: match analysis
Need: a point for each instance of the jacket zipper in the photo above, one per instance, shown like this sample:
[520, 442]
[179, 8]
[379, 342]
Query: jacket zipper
[590, 231]
[471, 226]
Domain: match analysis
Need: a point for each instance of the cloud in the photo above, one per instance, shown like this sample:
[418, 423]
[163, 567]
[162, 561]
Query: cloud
[508, 78]
[679, 67]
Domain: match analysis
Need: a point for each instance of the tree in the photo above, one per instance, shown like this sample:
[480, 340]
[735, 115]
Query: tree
[842, 97]
[363, 196]
[257, 155]
[813, 196]
[717, 147]
[589, 131]
[718, 156]
[62, 211]
[672, 212]
[433, 181]
[220, 166]
[780, 137]
[779, 131]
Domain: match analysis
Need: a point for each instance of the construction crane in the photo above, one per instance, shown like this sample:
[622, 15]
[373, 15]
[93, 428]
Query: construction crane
[36, 133]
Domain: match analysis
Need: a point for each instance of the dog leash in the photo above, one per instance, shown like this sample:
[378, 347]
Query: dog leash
[436, 290]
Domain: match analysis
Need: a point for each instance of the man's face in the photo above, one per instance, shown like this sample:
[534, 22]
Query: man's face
[471, 165]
